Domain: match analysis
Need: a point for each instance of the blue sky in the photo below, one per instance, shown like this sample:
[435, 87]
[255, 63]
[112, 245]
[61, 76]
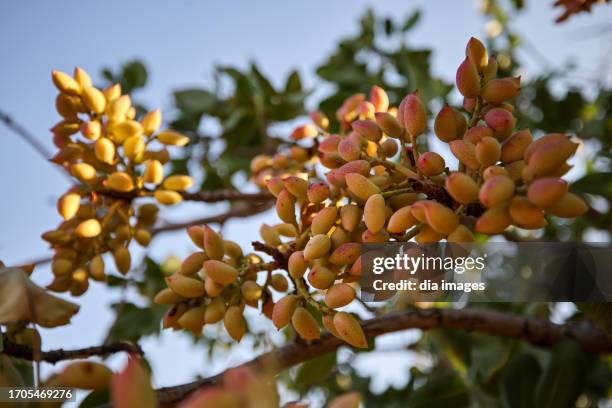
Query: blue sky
[181, 41]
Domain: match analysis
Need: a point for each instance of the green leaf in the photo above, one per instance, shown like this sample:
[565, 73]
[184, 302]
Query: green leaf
[542, 109]
[195, 100]
[232, 163]
[597, 381]
[186, 122]
[563, 377]
[388, 25]
[116, 281]
[347, 75]
[15, 372]
[212, 180]
[133, 322]
[455, 344]
[263, 83]
[134, 75]
[180, 165]
[108, 74]
[236, 118]
[519, 381]
[411, 21]
[594, 183]
[488, 358]
[599, 312]
[153, 280]
[368, 24]
[314, 371]
[440, 391]
[415, 66]
[243, 87]
[481, 398]
[96, 399]
[294, 83]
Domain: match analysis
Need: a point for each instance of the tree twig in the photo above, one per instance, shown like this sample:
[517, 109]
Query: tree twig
[281, 259]
[25, 135]
[227, 195]
[367, 307]
[214, 219]
[53, 356]
[28, 137]
[538, 332]
[199, 196]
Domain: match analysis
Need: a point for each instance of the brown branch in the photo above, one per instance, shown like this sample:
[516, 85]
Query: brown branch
[200, 196]
[535, 331]
[281, 259]
[25, 135]
[439, 194]
[242, 212]
[431, 190]
[28, 137]
[227, 195]
[53, 356]
[220, 219]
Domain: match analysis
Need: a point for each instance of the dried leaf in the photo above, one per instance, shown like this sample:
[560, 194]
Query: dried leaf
[21, 300]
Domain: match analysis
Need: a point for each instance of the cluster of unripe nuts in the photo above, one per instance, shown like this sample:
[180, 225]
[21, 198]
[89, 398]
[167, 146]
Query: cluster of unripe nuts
[217, 282]
[214, 284]
[110, 153]
[368, 182]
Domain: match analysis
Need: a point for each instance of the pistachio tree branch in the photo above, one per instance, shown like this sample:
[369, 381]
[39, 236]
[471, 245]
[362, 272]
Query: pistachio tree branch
[53, 356]
[239, 212]
[199, 196]
[281, 259]
[25, 134]
[227, 195]
[431, 190]
[28, 137]
[538, 332]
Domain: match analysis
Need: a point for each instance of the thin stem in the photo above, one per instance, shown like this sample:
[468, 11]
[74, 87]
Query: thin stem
[460, 209]
[391, 193]
[110, 213]
[411, 233]
[54, 356]
[476, 113]
[303, 292]
[413, 143]
[473, 122]
[29, 138]
[394, 166]
[25, 134]
[221, 218]
[199, 196]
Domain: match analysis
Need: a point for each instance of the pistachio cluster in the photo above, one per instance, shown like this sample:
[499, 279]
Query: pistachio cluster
[215, 284]
[377, 186]
[110, 154]
[380, 187]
